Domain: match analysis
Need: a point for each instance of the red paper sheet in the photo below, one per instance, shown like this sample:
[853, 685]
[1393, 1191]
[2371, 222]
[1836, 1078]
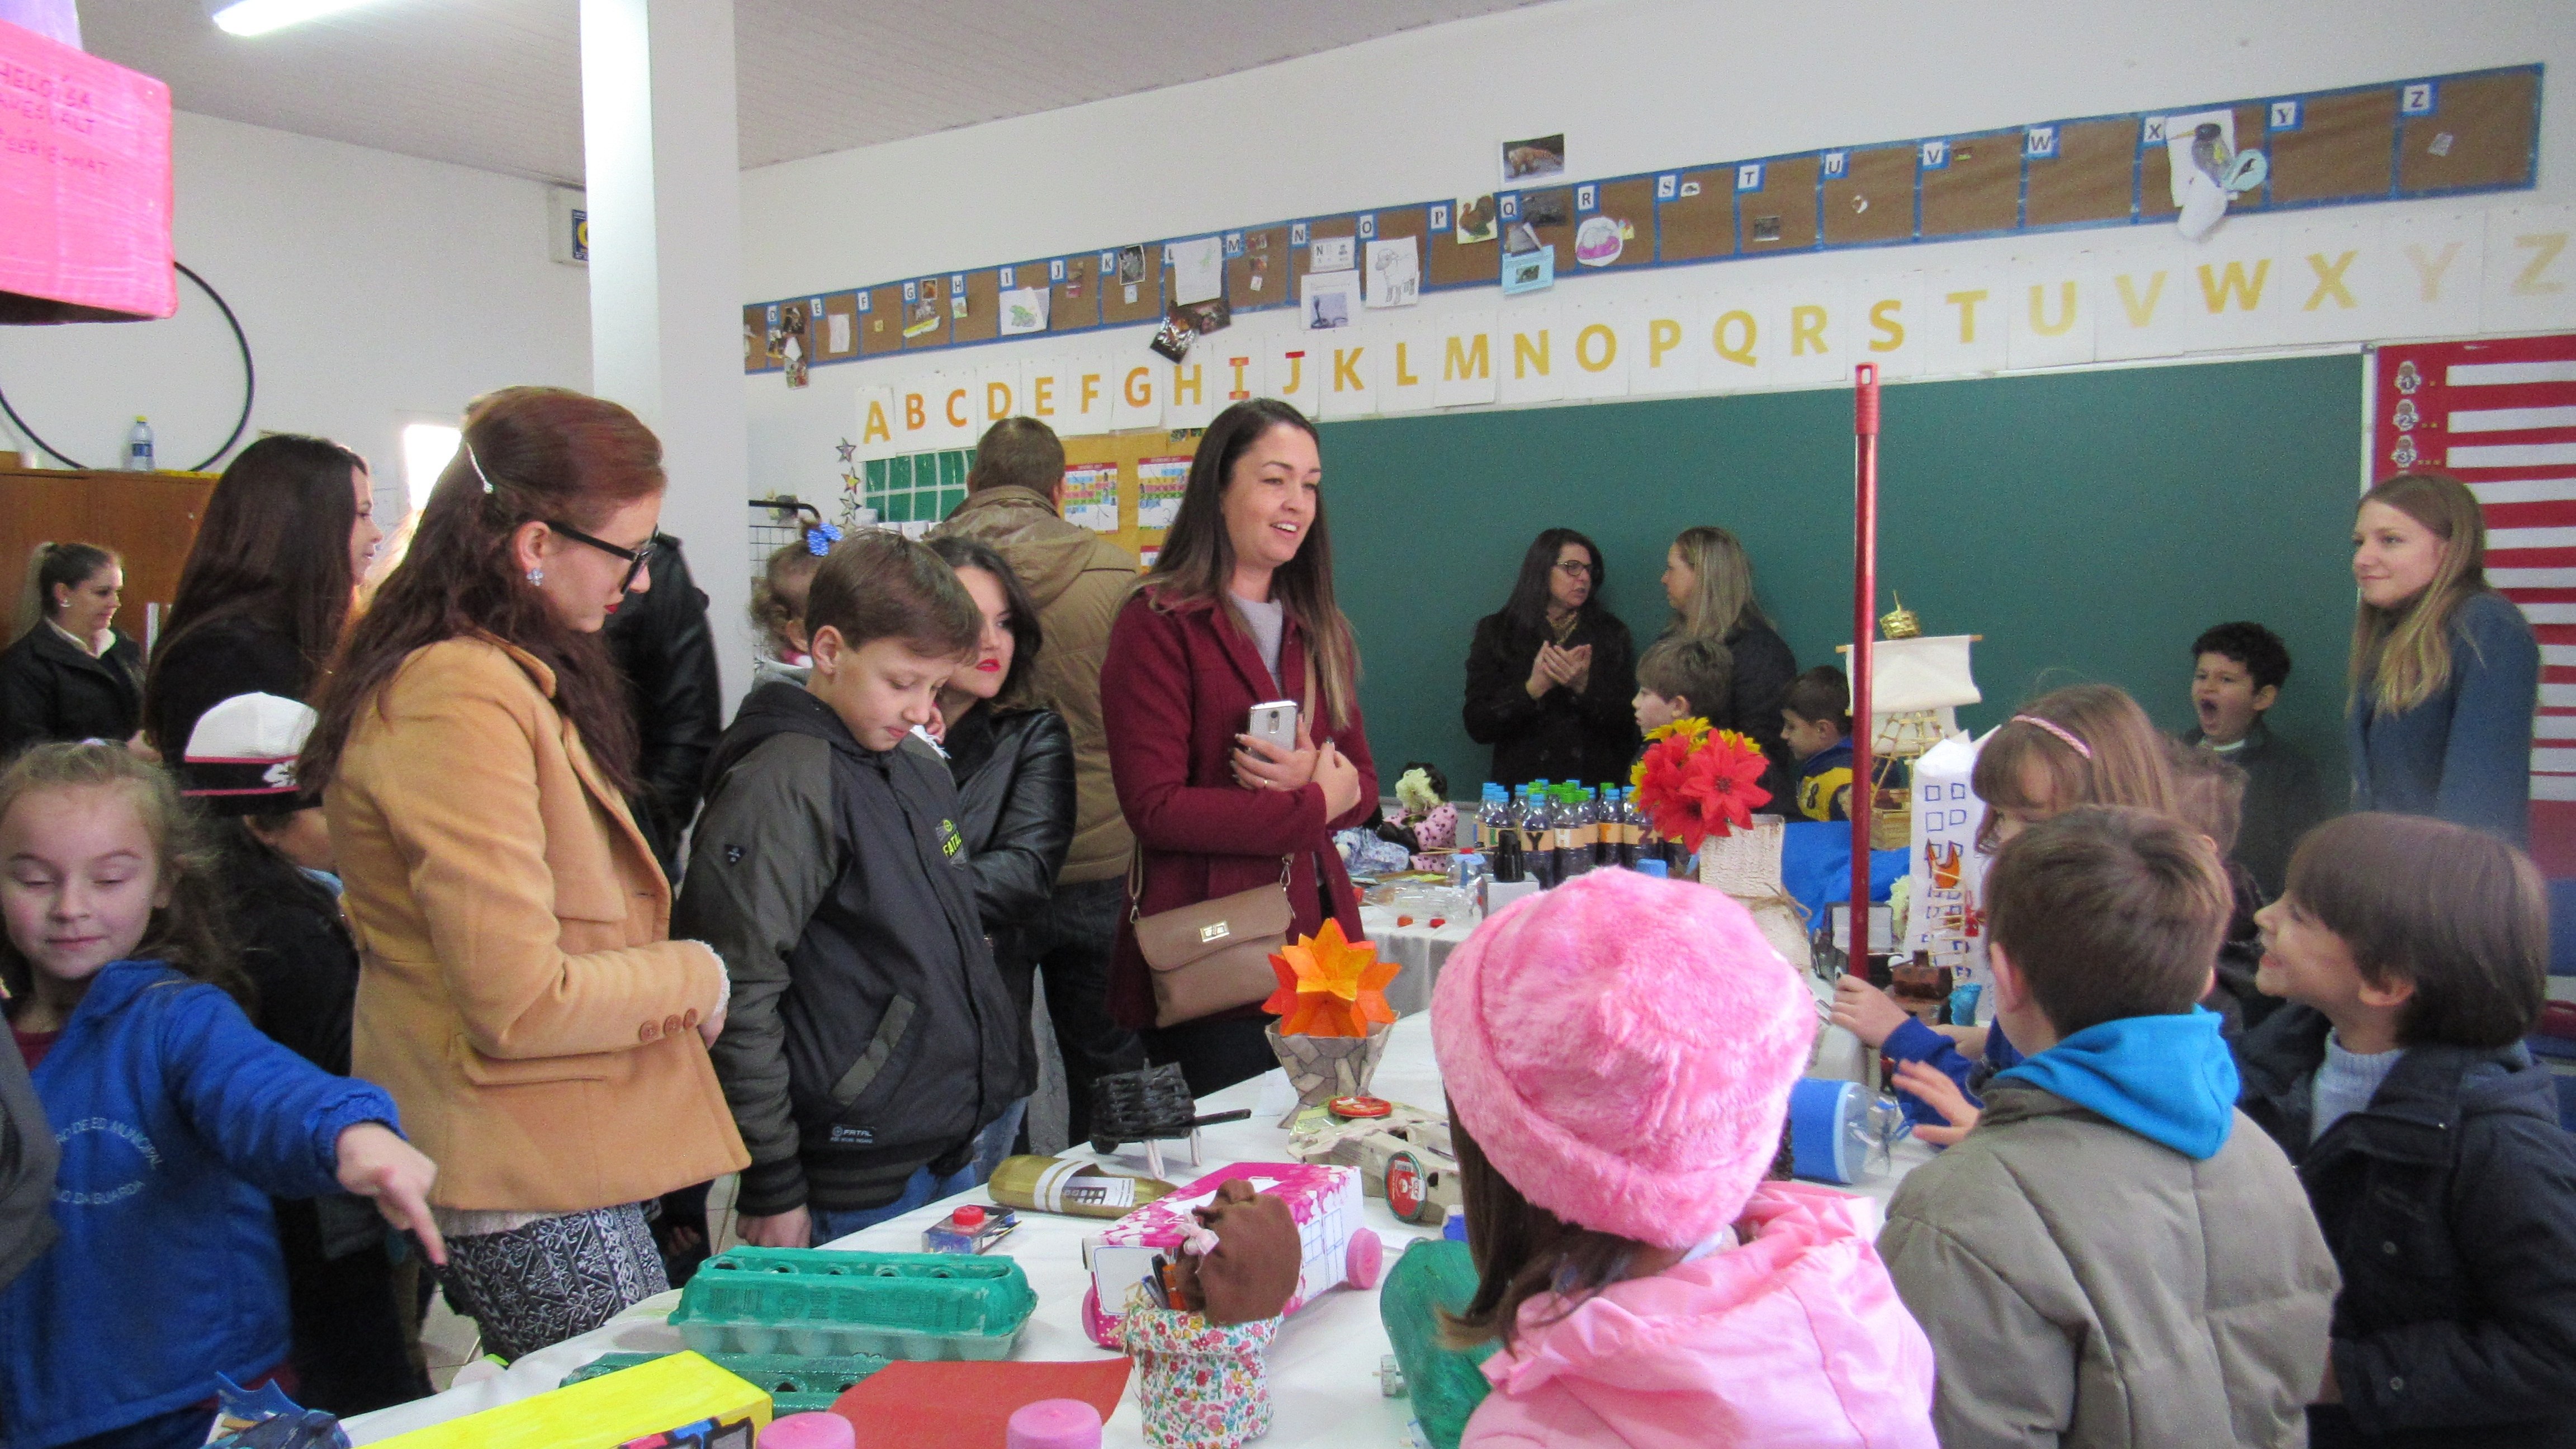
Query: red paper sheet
[969, 1405]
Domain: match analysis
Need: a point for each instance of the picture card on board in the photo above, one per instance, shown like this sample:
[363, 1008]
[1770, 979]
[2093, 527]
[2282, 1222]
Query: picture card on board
[1476, 220]
[1535, 159]
[1331, 254]
[1024, 310]
[1331, 299]
[1529, 271]
[1394, 273]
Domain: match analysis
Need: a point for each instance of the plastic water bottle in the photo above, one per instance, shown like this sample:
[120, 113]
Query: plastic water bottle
[138, 446]
[1508, 853]
[1489, 819]
[1586, 832]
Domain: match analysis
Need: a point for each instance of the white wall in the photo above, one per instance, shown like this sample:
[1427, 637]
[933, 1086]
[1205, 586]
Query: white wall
[1636, 85]
[375, 289]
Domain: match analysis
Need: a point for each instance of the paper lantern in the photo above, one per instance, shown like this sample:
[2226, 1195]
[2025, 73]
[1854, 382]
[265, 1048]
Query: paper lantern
[84, 186]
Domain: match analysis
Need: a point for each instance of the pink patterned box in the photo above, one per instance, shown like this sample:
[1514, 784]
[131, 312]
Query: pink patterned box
[1323, 1198]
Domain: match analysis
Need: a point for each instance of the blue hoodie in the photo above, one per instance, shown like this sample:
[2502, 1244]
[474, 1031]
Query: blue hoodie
[178, 1121]
[2170, 1079]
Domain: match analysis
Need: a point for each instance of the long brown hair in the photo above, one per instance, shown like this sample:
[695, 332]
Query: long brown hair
[1721, 594]
[529, 454]
[2122, 762]
[1197, 561]
[274, 548]
[187, 934]
[2403, 654]
[1522, 1250]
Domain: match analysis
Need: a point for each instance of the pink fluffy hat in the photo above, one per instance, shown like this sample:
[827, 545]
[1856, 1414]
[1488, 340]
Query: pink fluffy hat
[1622, 1049]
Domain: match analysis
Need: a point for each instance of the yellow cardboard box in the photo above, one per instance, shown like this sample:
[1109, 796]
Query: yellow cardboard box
[680, 1402]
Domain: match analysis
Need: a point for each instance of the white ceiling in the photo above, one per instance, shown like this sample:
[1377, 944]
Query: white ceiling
[496, 84]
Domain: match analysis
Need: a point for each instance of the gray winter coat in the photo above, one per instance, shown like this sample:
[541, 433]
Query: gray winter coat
[2083, 1285]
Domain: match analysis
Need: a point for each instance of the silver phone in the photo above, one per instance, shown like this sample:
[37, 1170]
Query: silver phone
[1275, 721]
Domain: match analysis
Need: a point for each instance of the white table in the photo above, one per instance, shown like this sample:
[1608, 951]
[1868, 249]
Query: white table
[1418, 948]
[1322, 1365]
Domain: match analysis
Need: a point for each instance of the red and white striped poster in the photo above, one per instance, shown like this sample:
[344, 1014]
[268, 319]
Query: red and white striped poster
[2500, 415]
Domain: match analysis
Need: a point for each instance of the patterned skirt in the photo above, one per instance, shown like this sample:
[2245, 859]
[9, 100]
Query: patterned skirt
[553, 1279]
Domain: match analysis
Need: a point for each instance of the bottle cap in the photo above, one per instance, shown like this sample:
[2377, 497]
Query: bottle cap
[809, 1431]
[1359, 1107]
[1656, 868]
[1054, 1424]
[969, 1216]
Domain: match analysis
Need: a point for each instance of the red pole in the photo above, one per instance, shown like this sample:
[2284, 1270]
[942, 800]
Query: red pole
[1864, 630]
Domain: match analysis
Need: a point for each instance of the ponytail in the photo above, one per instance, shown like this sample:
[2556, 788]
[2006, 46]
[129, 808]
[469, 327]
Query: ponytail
[67, 564]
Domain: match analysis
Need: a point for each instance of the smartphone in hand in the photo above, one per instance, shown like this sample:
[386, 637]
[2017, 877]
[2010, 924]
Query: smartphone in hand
[1275, 721]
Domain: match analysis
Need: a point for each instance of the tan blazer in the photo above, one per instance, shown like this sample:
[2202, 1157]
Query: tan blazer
[518, 992]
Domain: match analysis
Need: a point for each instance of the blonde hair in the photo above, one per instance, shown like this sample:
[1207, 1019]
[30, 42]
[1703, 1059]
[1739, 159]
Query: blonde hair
[187, 933]
[2123, 760]
[2402, 655]
[1721, 593]
[778, 595]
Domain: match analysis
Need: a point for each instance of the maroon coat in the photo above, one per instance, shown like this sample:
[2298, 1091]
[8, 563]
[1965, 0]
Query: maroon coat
[1175, 690]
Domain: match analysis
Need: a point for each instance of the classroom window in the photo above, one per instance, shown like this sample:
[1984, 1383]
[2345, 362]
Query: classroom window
[426, 449]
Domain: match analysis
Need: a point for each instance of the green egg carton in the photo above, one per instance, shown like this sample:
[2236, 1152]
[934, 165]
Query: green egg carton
[794, 1385]
[814, 1303]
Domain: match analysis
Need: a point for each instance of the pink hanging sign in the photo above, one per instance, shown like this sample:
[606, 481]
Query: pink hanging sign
[84, 186]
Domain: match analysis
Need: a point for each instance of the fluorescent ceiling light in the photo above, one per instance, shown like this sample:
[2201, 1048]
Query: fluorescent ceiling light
[259, 17]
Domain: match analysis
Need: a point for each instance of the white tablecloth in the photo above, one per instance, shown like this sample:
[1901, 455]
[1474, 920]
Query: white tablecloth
[1322, 1365]
[1418, 948]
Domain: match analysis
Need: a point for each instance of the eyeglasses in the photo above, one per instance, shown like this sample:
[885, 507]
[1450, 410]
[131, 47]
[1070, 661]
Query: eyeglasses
[636, 557]
[1574, 568]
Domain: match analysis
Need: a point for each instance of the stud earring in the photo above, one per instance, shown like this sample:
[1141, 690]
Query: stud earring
[536, 576]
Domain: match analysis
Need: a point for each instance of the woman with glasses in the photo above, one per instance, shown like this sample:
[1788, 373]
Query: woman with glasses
[519, 993]
[1550, 676]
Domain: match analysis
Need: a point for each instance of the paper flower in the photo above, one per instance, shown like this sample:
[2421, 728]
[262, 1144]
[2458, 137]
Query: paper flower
[1329, 985]
[1695, 782]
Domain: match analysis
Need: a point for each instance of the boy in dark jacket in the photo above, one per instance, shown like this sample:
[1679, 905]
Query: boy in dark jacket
[869, 1037]
[2236, 677]
[2414, 952]
[352, 1322]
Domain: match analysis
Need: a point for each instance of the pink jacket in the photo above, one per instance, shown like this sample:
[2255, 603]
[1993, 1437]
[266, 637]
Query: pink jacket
[1794, 1338]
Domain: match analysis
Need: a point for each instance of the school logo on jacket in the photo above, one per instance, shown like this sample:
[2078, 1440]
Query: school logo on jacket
[951, 844]
[124, 1132]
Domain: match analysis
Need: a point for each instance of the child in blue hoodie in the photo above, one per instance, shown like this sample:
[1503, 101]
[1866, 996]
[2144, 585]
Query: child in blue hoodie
[2114, 1255]
[176, 1118]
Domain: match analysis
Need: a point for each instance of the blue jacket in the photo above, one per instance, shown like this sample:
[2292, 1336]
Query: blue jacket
[2167, 1078]
[177, 1121]
[2465, 754]
[1915, 1042]
[2450, 1204]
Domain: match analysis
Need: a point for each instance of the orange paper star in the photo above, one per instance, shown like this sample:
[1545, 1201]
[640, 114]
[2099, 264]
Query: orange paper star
[1329, 985]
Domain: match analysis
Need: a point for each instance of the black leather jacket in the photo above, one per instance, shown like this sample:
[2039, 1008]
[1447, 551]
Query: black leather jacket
[663, 646]
[1015, 801]
[51, 690]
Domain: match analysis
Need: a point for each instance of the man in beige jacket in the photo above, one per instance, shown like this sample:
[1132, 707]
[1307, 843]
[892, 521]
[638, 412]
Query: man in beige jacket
[2114, 1256]
[1078, 580]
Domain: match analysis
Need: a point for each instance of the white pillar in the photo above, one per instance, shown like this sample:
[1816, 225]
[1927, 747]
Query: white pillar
[665, 193]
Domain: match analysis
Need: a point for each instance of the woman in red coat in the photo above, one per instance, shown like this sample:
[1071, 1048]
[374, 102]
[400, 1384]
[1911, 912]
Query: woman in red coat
[1238, 610]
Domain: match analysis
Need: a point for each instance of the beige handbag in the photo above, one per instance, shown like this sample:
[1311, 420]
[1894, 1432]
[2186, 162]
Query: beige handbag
[1213, 956]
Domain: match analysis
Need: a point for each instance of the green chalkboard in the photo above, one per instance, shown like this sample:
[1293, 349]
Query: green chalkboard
[2088, 524]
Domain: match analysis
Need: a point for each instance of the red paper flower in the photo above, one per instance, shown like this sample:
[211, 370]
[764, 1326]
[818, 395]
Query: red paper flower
[1694, 785]
[1329, 985]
